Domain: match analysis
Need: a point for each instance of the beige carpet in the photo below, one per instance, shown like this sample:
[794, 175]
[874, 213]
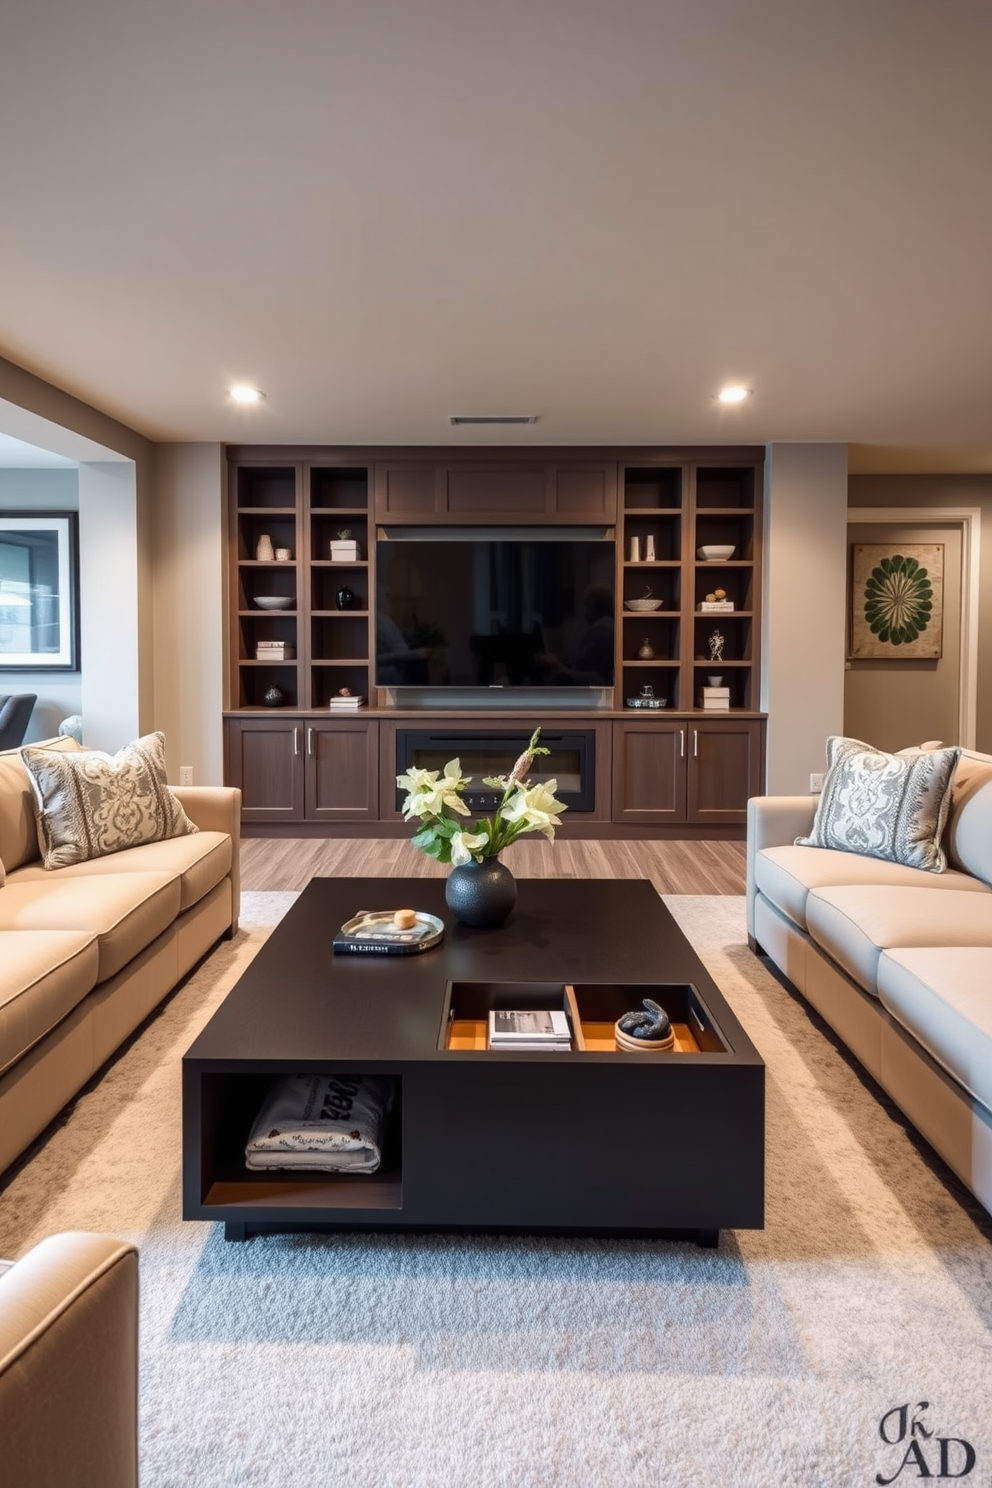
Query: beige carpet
[432, 1362]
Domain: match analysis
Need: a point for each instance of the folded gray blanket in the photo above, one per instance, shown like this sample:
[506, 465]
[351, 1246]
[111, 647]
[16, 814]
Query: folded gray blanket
[331, 1123]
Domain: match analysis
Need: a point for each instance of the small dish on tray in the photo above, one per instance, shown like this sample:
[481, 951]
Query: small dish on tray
[375, 932]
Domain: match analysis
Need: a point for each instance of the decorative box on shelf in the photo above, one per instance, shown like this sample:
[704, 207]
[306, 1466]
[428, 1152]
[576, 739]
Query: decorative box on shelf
[715, 699]
[344, 550]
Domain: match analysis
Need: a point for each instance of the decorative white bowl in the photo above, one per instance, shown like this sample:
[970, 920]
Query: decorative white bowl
[274, 601]
[715, 552]
[643, 604]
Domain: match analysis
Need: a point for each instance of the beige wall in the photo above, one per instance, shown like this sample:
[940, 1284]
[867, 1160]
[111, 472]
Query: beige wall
[187, 589]
[959, 491]
[805, 588]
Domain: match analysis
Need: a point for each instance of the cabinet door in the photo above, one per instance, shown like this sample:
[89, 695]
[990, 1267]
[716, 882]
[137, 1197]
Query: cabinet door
[265, 761]
[649, 775]
[342, 769]
[725, 768]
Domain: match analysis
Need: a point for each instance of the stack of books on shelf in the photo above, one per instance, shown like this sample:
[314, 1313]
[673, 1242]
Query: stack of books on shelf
[715, 699]
[544, 1029]
[275, 651]
[715, 606]
[347, 702]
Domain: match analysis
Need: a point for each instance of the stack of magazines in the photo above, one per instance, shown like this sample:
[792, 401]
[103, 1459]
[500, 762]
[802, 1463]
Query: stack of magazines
[545, 1029]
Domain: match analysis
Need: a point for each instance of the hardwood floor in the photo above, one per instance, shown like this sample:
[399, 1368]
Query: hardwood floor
[673, 867]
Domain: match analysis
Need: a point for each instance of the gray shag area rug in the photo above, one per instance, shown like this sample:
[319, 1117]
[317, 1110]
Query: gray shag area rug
[848, 1343]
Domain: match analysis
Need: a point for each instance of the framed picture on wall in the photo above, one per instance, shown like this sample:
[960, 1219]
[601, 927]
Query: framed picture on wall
[39, 572]
[897, 601]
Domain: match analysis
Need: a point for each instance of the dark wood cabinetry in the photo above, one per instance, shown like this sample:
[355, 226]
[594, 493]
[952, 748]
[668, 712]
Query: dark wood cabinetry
[693, 770]
[304, 769]
[301, 625]
[503, 489]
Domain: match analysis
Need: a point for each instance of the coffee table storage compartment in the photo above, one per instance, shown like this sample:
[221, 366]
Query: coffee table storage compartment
[228, 1104]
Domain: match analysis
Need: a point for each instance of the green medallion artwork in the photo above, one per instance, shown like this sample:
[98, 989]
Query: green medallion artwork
[897, 600]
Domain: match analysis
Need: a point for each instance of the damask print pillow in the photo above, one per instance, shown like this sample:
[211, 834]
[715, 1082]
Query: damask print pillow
[88, 803]
[883, 805]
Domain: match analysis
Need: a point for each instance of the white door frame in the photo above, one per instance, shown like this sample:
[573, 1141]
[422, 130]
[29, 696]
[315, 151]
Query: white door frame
[969, 518]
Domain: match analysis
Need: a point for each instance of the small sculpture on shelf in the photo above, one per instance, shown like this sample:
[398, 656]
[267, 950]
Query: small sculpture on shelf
[264, 551]
[274, 697]
[716, 644]
[645, 651]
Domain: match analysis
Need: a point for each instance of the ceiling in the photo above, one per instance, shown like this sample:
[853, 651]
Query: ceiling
[386, 213]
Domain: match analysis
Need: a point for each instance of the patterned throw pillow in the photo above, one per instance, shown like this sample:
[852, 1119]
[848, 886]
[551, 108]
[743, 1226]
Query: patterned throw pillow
[885, 805]
[89, 803]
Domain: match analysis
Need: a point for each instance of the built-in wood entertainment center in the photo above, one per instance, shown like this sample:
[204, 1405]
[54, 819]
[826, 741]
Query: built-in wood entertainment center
[677, 771]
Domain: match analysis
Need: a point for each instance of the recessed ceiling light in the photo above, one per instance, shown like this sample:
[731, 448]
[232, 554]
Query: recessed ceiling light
[243, 394]
[733, 394]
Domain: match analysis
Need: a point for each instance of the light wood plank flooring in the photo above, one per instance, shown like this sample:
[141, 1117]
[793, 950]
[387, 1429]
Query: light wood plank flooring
[673, 867]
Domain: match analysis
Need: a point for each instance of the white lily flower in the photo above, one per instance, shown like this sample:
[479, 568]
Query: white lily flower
[431, 792]
[416, 779]
[464, 845]
[536, 807]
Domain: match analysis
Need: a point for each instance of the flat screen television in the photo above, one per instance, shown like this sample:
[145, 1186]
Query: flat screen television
[494, 611]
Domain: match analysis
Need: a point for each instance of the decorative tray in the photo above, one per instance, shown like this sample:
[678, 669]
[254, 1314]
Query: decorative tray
[639, 702]
[375, 932]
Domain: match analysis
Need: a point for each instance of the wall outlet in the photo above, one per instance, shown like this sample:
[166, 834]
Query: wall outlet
[185, 774]
[815, 783]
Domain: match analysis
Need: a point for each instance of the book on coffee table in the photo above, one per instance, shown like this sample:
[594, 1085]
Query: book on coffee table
[529, 1028]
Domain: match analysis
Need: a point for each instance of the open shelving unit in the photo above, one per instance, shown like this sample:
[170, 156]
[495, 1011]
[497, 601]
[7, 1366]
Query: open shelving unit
[678, 508]
[301, 507]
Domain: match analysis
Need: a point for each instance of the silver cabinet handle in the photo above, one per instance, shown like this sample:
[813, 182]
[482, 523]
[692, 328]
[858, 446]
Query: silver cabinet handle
[681, 743]
[695, 743]
[309, 741]
[296, 741]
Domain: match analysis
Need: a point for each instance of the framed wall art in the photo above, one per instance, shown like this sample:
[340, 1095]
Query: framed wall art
[897, 601]
[39, 612]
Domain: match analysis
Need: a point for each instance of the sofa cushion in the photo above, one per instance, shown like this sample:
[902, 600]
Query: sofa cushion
[968, 839]
[45, 974]
[199, 862]
[90, 803]
[854, 925]
[126, 911]
[18, 826]
[785, 875]
[883, 805]
[943, 997]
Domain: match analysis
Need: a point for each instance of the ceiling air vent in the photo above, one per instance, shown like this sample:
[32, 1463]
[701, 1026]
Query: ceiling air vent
[492, 418]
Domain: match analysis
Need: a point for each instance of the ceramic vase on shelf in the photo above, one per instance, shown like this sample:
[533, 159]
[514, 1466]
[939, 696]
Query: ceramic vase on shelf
[649, 548]
[344, 599]
[481, 894]
[635, 550]
[264, 551]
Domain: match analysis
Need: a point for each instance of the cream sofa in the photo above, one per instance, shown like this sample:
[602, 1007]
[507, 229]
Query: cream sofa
[69, 1365]
[87, 951]
[897, 960]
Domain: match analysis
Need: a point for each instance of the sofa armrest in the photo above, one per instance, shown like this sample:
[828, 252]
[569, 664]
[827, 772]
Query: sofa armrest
[69, 1363]
[217, 808]
[774, 821]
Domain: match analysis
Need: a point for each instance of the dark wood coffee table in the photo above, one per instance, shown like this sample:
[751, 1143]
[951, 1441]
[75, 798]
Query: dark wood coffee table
[587, 1142]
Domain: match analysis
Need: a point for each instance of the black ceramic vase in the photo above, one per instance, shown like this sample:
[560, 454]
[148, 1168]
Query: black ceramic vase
[481, 894]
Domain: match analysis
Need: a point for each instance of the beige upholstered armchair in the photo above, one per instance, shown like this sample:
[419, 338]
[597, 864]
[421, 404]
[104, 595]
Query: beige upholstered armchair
[69, 1365]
